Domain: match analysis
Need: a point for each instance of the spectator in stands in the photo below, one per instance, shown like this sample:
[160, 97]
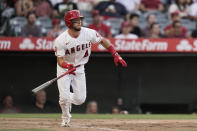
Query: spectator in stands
[125, 32]
[151, 18]
[42, 8]
[56, 31]
[177, 31]
[174, 18]
[192, 11]
[155, 31]
[131, 5]
[23, 7]
[6, 13]
[189, 2]
[8, 106]
[65, 6]
[179, 6]
[55, 14]
[84, 5]
[30, 29]
[154, 5]
[167, 3]
[54, 2]
[99, 26]
[120, 104]
[41, 104]
[111, 8]
[7, 8]
[92, 107]
[134, 21]
[115, 110]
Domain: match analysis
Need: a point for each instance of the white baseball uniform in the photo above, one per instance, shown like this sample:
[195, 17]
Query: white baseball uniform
[75, 51]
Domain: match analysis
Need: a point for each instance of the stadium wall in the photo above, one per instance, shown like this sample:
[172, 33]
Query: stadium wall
[157, 83]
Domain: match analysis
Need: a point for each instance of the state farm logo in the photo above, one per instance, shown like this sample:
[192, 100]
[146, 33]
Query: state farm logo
[137, 45]
[26, 44]
[40, 44]
[184, 45]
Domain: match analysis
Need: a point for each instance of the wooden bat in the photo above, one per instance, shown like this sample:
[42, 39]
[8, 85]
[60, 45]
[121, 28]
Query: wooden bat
[48, 83]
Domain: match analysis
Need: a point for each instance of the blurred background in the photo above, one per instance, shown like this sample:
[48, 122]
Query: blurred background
[154, 82]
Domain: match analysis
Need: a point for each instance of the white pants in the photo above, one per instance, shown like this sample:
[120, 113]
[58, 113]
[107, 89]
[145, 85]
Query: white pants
[66, 98]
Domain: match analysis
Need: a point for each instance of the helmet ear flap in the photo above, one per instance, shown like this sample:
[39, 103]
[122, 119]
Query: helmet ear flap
[68, 23]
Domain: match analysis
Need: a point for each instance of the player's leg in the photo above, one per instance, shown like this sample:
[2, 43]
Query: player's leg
[64, 97]
[79, 89]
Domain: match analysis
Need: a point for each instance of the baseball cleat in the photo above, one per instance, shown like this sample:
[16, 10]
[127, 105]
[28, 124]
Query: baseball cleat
[66, 121]
[65, 125]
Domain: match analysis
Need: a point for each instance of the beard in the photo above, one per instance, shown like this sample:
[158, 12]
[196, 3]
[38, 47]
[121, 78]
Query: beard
[76, 29]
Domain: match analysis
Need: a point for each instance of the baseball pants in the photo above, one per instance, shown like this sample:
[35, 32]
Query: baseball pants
[66, 98]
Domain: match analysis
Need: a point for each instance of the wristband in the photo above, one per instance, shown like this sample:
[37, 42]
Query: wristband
[112, 50]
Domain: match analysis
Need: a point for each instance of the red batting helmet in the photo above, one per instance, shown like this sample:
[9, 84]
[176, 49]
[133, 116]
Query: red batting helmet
[70, 15]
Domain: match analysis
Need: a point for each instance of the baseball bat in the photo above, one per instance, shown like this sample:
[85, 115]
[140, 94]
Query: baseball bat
[48, 83]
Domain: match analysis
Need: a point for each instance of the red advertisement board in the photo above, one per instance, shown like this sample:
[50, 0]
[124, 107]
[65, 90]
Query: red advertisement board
[121, 45]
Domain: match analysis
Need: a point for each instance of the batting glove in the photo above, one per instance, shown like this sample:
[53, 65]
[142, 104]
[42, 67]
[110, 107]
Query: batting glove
[117, 57]
[69, 67]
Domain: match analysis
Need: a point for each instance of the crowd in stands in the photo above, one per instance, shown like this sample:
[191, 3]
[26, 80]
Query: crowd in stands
[40, 104]
[111, 18]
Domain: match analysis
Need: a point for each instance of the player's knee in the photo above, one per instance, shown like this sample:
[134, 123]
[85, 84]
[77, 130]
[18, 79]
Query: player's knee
[63, 100]
[80, 100]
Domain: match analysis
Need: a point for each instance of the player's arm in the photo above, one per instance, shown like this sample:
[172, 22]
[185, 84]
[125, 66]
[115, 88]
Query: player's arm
[63, 63]
[60, 52]
[117, 58]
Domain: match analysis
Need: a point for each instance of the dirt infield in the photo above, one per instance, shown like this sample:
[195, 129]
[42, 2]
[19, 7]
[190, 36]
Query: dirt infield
[99, 124]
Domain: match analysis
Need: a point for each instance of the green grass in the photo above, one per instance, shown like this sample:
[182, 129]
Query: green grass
[24, 130]
[103, 116]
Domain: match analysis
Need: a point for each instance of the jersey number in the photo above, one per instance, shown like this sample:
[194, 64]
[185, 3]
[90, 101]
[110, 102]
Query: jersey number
[86, 54]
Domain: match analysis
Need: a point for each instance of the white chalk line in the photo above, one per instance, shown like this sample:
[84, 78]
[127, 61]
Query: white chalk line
[98, 128]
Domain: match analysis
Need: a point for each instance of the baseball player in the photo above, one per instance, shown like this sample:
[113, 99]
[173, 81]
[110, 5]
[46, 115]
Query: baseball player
[73, 48]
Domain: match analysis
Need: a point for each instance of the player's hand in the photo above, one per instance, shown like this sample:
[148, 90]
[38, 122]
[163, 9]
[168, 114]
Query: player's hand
[73, 72]
[118, 59]
[69, 67]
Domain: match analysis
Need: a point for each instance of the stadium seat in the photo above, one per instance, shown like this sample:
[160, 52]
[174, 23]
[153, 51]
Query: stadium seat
[190, 25]
[62, 24]
[86, 14]
[87, 21]
[44, 23]
[115, 25]
[17, 23]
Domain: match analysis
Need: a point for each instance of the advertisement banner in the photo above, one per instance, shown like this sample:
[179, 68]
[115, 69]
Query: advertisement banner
[121, 45]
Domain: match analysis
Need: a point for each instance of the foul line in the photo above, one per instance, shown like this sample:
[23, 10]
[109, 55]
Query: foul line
[98, 128]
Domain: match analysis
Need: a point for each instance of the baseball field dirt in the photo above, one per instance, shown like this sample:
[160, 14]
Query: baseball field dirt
[100, 124]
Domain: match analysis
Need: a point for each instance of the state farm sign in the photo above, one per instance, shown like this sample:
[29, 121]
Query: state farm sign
[144, 45]
[121, 45]
[5, 44]
[186, 45]
[39, 44]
